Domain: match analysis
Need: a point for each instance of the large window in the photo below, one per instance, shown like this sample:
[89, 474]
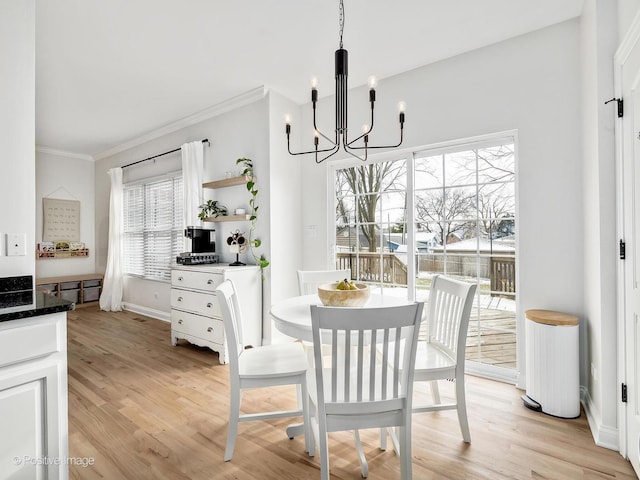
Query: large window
[152, 230]
[440, 211]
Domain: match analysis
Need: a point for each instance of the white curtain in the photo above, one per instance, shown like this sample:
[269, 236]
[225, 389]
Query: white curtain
[192, 166]
[111, 297]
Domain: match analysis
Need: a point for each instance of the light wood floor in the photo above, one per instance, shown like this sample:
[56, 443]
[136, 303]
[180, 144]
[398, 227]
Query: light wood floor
[145, 410]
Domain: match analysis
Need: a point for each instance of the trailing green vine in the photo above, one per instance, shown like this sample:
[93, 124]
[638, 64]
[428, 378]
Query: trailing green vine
[247, 172]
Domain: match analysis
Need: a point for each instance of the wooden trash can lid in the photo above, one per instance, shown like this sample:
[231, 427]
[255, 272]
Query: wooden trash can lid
[549, 317]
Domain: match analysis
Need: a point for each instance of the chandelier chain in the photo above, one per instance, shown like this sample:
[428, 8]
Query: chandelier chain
[341, 21]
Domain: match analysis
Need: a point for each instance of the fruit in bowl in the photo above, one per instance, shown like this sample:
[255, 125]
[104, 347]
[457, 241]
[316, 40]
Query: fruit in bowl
[343, 294]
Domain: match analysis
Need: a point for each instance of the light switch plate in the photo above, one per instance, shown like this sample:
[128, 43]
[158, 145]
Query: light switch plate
[16, 244]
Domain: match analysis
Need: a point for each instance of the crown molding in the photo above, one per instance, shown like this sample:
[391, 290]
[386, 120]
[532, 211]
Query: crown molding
[213, 111]
[63, 153]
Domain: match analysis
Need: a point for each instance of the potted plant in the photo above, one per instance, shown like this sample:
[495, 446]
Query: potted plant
[212, 208]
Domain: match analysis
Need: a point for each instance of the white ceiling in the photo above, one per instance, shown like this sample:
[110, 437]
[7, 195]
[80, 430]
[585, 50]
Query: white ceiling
[111, 71]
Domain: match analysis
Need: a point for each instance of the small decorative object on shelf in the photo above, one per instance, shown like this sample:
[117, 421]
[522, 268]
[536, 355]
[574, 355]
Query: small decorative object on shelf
[61, 249]
[212, 208]
[237, 244]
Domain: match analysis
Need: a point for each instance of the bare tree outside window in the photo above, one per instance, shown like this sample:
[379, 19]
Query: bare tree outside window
[444, 212]
[359, 190]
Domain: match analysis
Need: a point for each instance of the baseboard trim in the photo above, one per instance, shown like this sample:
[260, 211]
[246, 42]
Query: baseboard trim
[603, 435]
[147, 312]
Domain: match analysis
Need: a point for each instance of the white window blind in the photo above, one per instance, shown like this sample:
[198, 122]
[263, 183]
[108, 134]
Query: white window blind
[152, 227]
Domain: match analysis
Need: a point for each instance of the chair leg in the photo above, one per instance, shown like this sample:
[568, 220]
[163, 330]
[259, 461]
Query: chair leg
[324, 453]
[406, 467]
[364, 466]
[394, 439]
[232, 429]
[383, 439]
[435, 391]
[304, 394]
[462, 408]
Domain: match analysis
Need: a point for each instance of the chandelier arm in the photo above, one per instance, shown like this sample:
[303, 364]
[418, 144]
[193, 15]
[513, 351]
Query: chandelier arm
[307, 152]
[315, 128]
[364, 134]
[335, 150]
[332, 142]
[348, 150]
[381, 146]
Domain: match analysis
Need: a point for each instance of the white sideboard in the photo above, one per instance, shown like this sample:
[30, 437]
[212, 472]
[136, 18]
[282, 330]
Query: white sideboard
[33, 398]
[195, 313]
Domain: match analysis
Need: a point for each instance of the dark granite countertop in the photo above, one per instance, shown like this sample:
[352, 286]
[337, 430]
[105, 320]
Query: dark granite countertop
[32, 304]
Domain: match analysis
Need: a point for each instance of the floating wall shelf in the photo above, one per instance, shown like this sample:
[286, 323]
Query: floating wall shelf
[226, 182]
[227, 218]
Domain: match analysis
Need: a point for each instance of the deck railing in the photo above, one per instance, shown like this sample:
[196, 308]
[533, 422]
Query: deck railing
[388, 268]
[374, 267]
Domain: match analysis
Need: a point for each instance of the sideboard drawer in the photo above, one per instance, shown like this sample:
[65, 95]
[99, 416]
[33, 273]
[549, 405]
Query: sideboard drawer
[198, 280]
[210, 329]
[196, 302]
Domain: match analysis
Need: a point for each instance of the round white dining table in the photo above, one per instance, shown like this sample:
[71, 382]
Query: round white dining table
[292, 316]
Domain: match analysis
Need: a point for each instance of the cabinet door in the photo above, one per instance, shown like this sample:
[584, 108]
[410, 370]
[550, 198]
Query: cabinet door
[30, 446]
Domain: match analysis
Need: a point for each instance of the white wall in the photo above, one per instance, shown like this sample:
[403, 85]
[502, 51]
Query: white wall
[598, 373]
[530, 83]
[242, 132]
[627, 10]
[17, 131]
[287, 196]
[67, 177]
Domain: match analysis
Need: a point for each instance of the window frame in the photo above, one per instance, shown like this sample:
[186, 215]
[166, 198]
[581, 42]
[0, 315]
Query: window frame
[409, 155]
[150, 270]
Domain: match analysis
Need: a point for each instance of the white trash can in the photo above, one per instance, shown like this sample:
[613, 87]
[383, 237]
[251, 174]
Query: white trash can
[552, 356]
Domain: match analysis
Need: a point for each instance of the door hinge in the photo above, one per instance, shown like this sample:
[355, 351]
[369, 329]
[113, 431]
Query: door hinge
[623, 250]
[624, 393]
[620, 103]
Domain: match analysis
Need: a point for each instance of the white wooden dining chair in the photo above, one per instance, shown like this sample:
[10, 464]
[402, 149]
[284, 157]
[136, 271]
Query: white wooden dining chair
[442, 355]
[264, 366]
[361, 383]
[308, 280]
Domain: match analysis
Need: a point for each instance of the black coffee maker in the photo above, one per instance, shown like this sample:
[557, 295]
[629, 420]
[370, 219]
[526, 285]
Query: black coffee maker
[202, 240]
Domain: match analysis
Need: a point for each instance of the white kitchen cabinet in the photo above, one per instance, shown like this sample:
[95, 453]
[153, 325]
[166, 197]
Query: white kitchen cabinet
[195, 313]
[33, 398]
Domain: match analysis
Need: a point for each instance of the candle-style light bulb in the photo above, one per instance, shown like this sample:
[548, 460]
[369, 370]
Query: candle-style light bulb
[287, 124]
[287, 119]
[402, 107]
[365, 128]
[314, 90]
[372, 89]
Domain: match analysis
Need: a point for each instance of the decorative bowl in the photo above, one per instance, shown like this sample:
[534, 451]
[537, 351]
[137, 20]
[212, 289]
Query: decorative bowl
[330, 296]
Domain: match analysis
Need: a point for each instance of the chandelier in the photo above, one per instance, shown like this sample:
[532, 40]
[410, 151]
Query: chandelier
[341, 130]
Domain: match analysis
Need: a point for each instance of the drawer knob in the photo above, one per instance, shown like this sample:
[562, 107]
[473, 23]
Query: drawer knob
[180, 279]
[180, 322]
[209, 305]
[209, 282]
[210, 329]
[179, 299]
